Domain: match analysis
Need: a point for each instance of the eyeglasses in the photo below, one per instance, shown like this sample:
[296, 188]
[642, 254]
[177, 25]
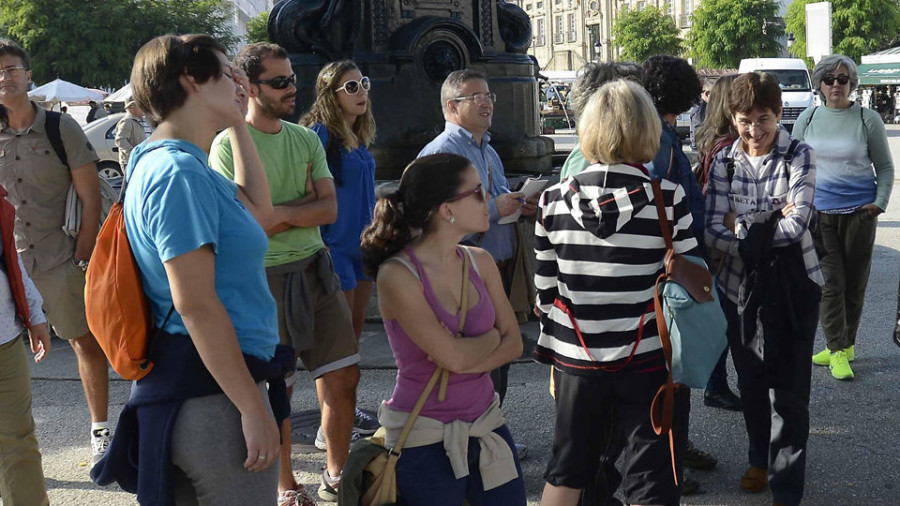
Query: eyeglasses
[479, 98]
[746, 124]
[841, 79]
[478, 191]
[278, 83]
[352, 87]
[12, 71]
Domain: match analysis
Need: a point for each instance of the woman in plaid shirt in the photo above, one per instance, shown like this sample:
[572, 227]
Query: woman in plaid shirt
[758, 207]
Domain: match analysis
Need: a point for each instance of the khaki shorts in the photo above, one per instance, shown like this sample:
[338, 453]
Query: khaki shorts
[334, 342]
[62, 288]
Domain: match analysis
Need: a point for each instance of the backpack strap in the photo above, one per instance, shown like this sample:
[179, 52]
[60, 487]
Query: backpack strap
[789, 156]
[51, 124]
[729, 166]
[813, 113]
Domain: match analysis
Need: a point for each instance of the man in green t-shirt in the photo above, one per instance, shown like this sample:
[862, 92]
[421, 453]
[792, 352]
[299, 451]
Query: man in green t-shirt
[313, 315]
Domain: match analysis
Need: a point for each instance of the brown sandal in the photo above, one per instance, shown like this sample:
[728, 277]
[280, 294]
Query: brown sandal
[755, 479]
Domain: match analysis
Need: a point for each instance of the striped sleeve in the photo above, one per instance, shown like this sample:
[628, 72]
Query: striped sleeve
[802, 189]
[546, 270]
[718, 236]
[682, 235]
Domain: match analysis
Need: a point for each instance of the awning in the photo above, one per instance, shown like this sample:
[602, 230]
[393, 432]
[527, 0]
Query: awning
[879, 74]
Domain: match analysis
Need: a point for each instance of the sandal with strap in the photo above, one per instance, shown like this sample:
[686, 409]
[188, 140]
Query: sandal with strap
[297, 497]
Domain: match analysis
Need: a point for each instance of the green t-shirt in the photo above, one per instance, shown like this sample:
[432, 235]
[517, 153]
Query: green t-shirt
[575, 164]
[285, 156]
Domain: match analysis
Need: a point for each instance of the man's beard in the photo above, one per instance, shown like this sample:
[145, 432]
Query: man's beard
[275, 108]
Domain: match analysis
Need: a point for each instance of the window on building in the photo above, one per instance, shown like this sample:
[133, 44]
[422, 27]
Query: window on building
[540, 5]
[527, 7]
[688, 7]
[642, 5]
[572, 34]
[540, 32]
[670, 9]
[559, 29]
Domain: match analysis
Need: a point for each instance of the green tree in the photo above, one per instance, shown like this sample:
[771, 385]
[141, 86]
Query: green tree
[93, 42]
[258, 28]
[858, 27]
[644, 33]
[726, 31]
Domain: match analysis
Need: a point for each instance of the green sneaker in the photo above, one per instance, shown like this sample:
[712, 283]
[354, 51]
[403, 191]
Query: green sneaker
[823, 357]
[840, 366]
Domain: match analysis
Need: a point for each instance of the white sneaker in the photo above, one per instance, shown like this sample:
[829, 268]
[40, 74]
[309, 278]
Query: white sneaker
[99, 444]
[320, 438]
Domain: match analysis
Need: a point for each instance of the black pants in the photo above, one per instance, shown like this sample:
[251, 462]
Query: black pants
[599, 416]
[500, 375]
[777, 418]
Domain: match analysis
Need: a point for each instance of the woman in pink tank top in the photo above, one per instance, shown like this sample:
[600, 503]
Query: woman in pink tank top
[413, 247]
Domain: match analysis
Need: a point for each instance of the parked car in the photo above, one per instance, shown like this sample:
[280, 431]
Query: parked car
[102, 135]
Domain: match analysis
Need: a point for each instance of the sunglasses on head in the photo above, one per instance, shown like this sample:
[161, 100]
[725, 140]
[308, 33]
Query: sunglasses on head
[478, 191]
[352, 87]
[278, 83]
[841, 79]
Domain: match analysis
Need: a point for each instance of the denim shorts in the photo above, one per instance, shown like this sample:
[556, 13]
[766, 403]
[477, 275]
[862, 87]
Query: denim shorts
[424, 476]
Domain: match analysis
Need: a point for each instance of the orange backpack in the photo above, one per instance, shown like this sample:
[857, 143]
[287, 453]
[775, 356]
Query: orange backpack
[118, 311]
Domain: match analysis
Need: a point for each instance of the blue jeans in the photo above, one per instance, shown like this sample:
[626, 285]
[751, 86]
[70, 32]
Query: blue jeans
[424, 476]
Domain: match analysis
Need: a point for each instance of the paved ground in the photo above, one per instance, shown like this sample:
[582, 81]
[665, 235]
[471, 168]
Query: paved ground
[854, 447]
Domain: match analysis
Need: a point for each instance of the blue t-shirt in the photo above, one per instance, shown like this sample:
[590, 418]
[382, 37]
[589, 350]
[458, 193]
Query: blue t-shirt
[355, 186]
[174, 205]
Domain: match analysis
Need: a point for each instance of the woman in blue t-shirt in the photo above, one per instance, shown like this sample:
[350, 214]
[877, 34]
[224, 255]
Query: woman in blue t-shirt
[342, 116]
[198, 241]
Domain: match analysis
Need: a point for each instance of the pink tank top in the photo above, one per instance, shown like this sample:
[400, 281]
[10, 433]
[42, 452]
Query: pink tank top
[468, 395]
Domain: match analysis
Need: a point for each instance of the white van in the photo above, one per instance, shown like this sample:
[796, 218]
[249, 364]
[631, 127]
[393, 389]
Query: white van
[793, 77]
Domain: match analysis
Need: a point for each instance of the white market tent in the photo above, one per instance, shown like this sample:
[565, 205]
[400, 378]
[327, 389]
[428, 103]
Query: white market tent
[123, 94]
[63, 91]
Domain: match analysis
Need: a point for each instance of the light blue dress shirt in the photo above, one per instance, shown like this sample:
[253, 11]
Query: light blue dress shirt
[499, 240]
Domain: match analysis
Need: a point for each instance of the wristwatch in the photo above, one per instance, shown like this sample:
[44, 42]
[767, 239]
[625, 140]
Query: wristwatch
[81, 264]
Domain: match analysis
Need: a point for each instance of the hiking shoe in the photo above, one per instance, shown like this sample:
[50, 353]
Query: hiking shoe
[328, 488]
[755, 479]
[297, 497]
[840, 365]
[99, 444]
[696, 458]
[689, 485]
[851, 352]
[320, 438]
[365, 423]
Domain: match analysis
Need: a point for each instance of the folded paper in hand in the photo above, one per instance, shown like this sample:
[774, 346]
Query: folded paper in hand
[532, 187]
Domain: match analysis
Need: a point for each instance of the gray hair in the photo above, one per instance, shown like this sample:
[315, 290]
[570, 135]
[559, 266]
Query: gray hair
[452, 86]
[828, 65]
[595, 75]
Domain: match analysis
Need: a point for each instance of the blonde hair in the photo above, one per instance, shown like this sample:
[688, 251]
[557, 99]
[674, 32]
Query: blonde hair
[619, 124]
[327, 111]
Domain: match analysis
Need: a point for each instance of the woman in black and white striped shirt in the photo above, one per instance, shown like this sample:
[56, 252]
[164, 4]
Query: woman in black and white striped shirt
[599, 251]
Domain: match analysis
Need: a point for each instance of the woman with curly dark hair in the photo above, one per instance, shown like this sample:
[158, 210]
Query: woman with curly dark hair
[674, 87]
[413, 246]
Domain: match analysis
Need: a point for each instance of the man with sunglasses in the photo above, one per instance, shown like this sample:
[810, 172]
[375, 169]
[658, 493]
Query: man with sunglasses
[313, 315]
[38, 179]
[468, 107]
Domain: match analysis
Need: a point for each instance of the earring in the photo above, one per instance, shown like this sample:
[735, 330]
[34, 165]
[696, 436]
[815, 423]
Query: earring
[452, 220]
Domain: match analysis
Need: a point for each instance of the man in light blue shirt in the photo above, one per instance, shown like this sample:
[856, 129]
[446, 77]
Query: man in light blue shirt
[468, 107]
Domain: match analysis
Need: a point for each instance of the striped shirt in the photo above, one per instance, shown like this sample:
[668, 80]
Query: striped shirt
[599, 251]
[769, 187]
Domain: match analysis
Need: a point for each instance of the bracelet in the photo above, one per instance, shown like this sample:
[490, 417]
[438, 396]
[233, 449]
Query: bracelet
[81, 264]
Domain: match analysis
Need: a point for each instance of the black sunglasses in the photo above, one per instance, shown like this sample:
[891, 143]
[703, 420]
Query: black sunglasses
[478, 191]
[841, 79]
[278, 83]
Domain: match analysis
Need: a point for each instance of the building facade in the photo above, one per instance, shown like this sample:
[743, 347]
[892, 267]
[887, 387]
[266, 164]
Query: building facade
[569, 33]
[242, 12]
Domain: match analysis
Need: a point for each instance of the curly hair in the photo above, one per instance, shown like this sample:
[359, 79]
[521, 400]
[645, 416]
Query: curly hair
[594, 75]
[426, 183]
[327, 111]
[672, 83]
[718, 122]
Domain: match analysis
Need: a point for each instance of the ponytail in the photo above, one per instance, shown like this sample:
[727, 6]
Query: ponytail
[426, 183]
[386, 235]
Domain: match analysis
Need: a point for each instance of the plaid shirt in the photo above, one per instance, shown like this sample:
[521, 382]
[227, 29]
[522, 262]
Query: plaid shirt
[768, 188]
